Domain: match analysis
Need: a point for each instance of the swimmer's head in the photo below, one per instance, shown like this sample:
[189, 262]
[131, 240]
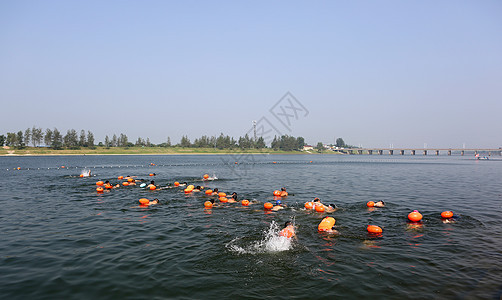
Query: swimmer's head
[283, 189]
[287, 223]
[234, 196]
[215, 190]
[185, 183]
[198, 187]
[107, 181]
[317, 200]
[278, 202]
[333, 205]
[212, 201]
[152, 182]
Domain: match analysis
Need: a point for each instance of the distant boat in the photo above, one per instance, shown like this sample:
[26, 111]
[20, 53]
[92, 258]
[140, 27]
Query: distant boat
[481, 158]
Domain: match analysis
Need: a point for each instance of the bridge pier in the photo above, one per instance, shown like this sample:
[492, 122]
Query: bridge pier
[370, 152]
[391, 152]
[425, 152]
[462, 152]
[449, 152]
[401, 151]
[437, 152]
[412, 152]
[380, 152]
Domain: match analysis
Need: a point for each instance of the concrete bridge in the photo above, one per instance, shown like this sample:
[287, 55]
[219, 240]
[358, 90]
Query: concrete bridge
[414, 151]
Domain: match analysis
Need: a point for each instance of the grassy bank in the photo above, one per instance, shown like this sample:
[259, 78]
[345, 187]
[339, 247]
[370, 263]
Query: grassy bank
[137, 151]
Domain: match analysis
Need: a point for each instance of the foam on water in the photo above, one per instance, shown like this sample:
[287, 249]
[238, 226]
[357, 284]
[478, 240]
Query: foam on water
[271, 242]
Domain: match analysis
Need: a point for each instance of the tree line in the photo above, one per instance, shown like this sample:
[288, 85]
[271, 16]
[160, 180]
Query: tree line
[54, 139]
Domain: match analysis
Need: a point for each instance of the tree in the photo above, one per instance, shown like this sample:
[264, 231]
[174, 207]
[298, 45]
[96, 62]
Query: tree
[82, 142]
[36, 136]
[140, 142]
[19, 140]
[185, 142]
[168, 144]
[339, 142]
[107, 142]
[90, 140]
[123, 140]
[70, 140]
[114, 141]
[300, 142]
[2, 140]
[148, 144]
[27, 136]
[48, 137]
[11, 139]
[57, 140]
[320, 147]
[260, 143]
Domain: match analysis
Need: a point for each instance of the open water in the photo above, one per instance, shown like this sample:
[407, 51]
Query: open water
[61, 239]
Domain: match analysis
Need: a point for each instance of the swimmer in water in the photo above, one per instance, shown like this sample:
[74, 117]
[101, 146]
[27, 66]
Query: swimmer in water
[331, 208]
[317, 202]
[233, 199]
[108, 185]
[215, 192]
[288, 231]
[152, 183]
[327, 225]
[196, 189]
[278, 206]
[380, 204]
[283, 192]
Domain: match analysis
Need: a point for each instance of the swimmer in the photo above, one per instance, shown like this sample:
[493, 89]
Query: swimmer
[183, 184]
[152, 183]
[283, 192]
[215, 192]
[379, 204]
[233, 199]
[317, 202]
[278, 206]
[327, 225]
[331, 208]
[196, 189]
[108, 185]
[288, 231]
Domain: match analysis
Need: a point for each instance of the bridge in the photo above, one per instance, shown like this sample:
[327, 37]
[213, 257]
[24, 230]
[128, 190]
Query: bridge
[414, 151]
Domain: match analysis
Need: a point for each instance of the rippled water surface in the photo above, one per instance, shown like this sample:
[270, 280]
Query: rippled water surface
[63, 240]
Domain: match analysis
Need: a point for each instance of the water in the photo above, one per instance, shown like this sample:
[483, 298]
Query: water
[62, 240]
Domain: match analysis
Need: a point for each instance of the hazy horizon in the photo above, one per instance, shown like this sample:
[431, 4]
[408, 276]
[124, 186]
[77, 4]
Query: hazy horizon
[375, 74]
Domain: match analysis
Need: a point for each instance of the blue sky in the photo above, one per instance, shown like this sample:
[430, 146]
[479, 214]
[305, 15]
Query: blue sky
[372, 72]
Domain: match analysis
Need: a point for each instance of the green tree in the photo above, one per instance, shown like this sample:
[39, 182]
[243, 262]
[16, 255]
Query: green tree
[70, 140]
[300, 142]
[320, 147]
[123, 140]
[90, 140]
[2, 140]
[48, 137]
[19, 140]
[260, 143]
[57, 140]
[185, 142]
[108, 144]
[339, 142]
[82, 142]
[11, 139]
[27, 136]
[114, 142]
[168, 143]
[36, 136]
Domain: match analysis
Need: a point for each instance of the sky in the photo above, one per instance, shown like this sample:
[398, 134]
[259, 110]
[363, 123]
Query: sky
[375, 73]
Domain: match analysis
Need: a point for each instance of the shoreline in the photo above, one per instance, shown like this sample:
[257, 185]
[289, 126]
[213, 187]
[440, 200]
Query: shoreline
[150, 151]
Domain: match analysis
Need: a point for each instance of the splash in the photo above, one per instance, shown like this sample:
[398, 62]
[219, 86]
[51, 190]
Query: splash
[85, 173]
[272, 242]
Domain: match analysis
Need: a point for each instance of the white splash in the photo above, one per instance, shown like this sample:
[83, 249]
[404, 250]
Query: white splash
[86, 173]
[271, 242]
